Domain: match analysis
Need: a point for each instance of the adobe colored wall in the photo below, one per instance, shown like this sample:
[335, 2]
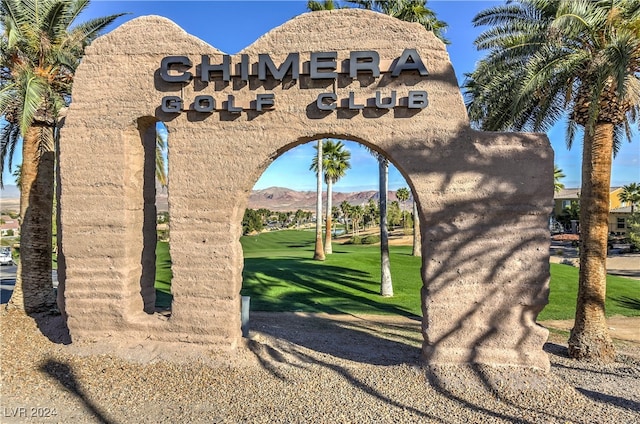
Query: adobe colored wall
[484, 198]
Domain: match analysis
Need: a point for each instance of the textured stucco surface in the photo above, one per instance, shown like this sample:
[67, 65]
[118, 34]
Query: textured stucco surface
[483, 198]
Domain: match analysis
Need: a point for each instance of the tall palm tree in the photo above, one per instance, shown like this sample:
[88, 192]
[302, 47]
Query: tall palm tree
[386, 284]
[578, 60]
[318, 253]
[39, 51]
[161, 163]
[557, 176]
[630, 194]
[335, 164]
[417, 238]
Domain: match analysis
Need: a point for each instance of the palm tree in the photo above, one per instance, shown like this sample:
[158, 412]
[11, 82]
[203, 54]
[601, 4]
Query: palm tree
[315, 6]
[371, 212]
[630, 194]
[403, 195]
[161, 163]
[345, 207]
[39, 52]
[386, 285]
[335, 165]
[318, 253]
[557, 176]
[578, 60]
[357, 213]
[417, 239]
[17, 175]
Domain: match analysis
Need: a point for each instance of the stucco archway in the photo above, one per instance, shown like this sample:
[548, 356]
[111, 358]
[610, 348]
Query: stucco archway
[486, 196]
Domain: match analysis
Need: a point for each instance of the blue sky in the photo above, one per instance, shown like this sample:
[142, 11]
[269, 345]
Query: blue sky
[232, 25]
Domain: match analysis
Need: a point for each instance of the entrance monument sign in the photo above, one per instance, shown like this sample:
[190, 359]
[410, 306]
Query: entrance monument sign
[483, 198]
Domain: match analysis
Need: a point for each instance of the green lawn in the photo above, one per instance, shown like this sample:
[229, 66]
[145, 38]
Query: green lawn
[279, 275]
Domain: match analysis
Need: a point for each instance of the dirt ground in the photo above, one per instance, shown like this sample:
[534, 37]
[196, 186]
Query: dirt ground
[374, 339]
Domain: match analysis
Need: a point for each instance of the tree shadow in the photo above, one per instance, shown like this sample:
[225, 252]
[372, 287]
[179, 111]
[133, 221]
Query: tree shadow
[618, 401]
[263, 353]
[327, 288]
[370, 341]
[64, 375]
[627, 302]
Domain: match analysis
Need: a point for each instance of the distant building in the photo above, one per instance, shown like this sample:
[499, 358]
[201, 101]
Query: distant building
[618, 220]
[9, 226]
[619, 212]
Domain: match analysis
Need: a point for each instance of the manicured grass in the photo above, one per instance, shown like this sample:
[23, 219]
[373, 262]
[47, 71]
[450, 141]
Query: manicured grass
[623, 295]
[280, 275]
[163, 275]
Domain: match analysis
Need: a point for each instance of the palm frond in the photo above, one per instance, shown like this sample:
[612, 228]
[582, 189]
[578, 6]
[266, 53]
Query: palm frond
[33, 92]
[9, 137]
[91, 29]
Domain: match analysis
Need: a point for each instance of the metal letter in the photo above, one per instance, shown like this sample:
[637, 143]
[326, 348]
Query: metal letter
[418, 100]
[206, 68]
[389, 105]
[244, 67]
[292, 62]
[318, 62]
[266, 100]
[230, 106]
[320, 102]
[165, 66]
[415, 64]
[352, 100]
[171, 104]
[204, 104]
[364, 61]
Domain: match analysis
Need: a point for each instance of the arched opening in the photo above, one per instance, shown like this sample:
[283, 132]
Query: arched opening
[283, 281]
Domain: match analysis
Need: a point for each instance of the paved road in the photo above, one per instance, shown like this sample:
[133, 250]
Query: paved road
[8, 281]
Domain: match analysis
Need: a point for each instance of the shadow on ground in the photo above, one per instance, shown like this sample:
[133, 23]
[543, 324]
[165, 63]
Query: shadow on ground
[374, 340]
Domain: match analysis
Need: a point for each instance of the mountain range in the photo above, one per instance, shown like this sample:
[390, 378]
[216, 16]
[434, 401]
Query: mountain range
[284, 199]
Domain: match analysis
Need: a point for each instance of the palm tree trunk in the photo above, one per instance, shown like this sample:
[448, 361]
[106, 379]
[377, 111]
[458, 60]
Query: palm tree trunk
[590, 337]
[327, 238]
[417, 240]
[386, 286]
[318, 254]
[33, 291]
[346, 224]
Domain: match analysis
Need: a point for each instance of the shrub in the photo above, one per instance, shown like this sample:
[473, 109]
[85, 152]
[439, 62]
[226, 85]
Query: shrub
[371, 239]
[355, 240]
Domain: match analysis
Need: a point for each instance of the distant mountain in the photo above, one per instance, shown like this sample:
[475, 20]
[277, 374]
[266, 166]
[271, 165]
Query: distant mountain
[282, 199]
[285, 199]
[10, 192]
[10, 199]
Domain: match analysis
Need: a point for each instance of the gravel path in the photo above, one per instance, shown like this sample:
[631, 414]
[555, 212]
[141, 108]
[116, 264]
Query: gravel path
[300, 368]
